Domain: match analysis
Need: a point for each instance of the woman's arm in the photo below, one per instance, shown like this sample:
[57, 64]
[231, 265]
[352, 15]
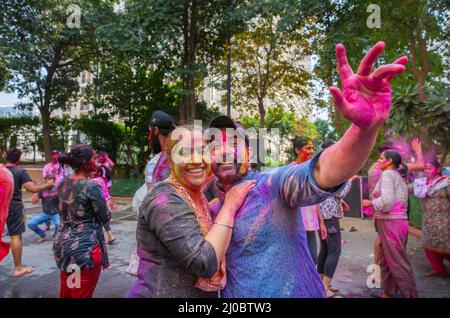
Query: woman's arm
[416, 145]
[99, 205]
[220, 233]
[176, 226]
[323, 228]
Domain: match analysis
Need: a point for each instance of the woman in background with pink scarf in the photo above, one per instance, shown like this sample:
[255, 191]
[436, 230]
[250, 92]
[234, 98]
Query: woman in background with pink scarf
[435, 192]
[391, 223]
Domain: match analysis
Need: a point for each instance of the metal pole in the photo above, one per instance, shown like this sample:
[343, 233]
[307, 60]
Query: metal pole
[229, 5]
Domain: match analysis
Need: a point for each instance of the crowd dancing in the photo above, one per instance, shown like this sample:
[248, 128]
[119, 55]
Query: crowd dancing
[211, 226]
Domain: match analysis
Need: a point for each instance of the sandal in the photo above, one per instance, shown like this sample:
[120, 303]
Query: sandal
[24, 271]
[435, 274]
[40, 240]
[111, 242]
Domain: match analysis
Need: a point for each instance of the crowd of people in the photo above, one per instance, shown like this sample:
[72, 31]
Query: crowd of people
[209, 225]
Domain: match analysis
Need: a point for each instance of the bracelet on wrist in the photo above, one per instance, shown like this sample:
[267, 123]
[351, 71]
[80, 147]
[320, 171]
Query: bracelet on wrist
[225, 225]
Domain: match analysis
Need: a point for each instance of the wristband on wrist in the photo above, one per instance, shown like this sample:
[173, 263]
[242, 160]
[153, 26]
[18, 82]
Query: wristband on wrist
[225, 225]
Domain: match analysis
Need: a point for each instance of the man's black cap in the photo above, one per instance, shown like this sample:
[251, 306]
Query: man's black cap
[163, 121]
[222, 121]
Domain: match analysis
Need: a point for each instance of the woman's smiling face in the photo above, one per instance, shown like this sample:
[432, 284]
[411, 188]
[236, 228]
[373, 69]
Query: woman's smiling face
[192, 165]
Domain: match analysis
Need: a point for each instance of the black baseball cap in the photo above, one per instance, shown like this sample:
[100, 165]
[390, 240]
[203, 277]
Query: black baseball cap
[224, 121]
[163, 121]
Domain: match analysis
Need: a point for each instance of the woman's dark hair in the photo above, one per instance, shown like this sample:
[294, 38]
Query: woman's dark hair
[13, 155]
[299, 142]
[104, 172]
[79, 155]
[397, 162]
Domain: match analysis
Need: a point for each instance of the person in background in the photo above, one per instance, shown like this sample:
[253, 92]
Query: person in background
[434, 190]
[157, 169]
[312, 220]
[101, 177]
[52, 170]
[80, 241]
[49, 212]
[391, 223]
[331, 211]
[103, 161]
[374, 174]
[16, 217]
[6, 193]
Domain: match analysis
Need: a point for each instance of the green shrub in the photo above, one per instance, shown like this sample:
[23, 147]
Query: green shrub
[125, 187]
[415, 214]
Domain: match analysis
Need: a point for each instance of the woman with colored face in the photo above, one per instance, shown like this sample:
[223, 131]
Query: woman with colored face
[80, 242]
[434, 190]
[181, 250]
[391, 223]
[303, 149]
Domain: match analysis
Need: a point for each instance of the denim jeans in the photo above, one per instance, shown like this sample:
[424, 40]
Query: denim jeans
[43, 218]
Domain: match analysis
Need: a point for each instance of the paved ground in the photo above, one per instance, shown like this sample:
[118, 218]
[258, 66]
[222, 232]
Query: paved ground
[351, 275]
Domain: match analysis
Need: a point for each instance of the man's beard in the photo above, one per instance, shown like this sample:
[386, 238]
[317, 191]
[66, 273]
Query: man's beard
[229, 175]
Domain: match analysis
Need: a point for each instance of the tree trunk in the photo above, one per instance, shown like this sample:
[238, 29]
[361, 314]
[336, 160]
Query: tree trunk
[187, 109]
[262, 114]
[45, 116]
[420, 72]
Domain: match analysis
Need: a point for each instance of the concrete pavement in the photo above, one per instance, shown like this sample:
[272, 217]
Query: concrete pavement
[351, 275]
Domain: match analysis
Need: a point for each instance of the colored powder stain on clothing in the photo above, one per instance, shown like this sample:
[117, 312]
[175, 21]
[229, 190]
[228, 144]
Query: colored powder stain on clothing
[268, 254]
[162, 168]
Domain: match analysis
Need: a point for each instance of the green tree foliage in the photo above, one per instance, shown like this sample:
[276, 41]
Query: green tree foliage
[44, 54]
[24, 130]
[417, 28]
[429, 118]
[102, 135]
[269, 64]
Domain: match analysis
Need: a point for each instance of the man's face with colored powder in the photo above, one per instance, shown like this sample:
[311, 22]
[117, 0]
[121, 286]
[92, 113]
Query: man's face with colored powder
[230, 158]
[55, 157]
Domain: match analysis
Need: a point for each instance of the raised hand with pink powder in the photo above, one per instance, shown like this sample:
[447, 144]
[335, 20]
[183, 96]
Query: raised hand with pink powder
[365, 100]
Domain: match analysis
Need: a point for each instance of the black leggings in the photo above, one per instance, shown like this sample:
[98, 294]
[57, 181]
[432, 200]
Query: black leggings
[312, 245]
[330, 248]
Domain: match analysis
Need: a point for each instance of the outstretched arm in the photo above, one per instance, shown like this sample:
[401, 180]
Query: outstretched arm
[366, 102]
[419, 164]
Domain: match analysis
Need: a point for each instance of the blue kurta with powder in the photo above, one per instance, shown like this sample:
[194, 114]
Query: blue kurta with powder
[268, 255]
